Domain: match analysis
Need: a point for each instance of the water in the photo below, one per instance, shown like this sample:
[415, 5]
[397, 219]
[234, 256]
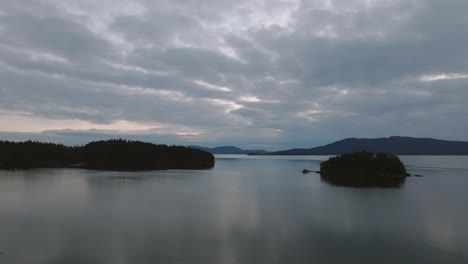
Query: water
[245, 210]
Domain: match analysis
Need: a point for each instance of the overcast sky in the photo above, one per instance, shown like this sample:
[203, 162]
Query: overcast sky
[269, 74]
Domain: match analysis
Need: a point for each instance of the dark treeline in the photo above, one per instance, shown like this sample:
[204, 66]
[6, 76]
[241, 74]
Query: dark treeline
[116, 154]
[30, 154]
[135, 155]
[364, 169]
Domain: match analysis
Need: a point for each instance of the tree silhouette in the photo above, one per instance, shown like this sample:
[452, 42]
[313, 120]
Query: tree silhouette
[116, 154]
[364, 169]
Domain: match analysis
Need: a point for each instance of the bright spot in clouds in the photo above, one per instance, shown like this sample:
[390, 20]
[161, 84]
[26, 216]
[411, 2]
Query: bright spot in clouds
[212, 86]
[26, 122]
[249, 99]
[439, 77]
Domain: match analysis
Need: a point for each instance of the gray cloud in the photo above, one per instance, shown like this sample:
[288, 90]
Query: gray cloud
[282, 73]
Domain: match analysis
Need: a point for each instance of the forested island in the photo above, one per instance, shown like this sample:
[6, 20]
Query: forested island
[115, 154]
[364, 169]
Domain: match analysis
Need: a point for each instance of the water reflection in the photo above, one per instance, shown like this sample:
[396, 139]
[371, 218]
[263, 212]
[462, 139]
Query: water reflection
[242, 211]
[364, 182]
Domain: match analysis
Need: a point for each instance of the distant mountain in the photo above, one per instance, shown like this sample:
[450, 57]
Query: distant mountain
[394, 145]
[230, 150]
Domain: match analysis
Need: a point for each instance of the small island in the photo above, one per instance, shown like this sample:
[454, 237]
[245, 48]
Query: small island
[115, 154]
[364, 169]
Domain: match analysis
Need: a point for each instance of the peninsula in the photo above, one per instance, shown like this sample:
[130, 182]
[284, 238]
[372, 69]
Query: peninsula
[116, 154]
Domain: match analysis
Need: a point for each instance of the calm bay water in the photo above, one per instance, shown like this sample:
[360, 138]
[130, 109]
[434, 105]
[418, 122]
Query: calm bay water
[244, 210]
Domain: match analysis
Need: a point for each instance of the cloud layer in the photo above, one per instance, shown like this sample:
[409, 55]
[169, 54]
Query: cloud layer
[272, 73]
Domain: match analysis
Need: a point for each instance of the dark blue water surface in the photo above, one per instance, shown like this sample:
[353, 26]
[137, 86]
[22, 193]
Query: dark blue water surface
[244, 210]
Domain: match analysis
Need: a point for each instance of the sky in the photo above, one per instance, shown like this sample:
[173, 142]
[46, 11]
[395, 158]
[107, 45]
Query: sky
[257, 74]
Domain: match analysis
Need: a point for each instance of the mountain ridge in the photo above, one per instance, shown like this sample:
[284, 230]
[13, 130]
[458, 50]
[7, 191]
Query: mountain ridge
[398, 145]
[229, 150]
